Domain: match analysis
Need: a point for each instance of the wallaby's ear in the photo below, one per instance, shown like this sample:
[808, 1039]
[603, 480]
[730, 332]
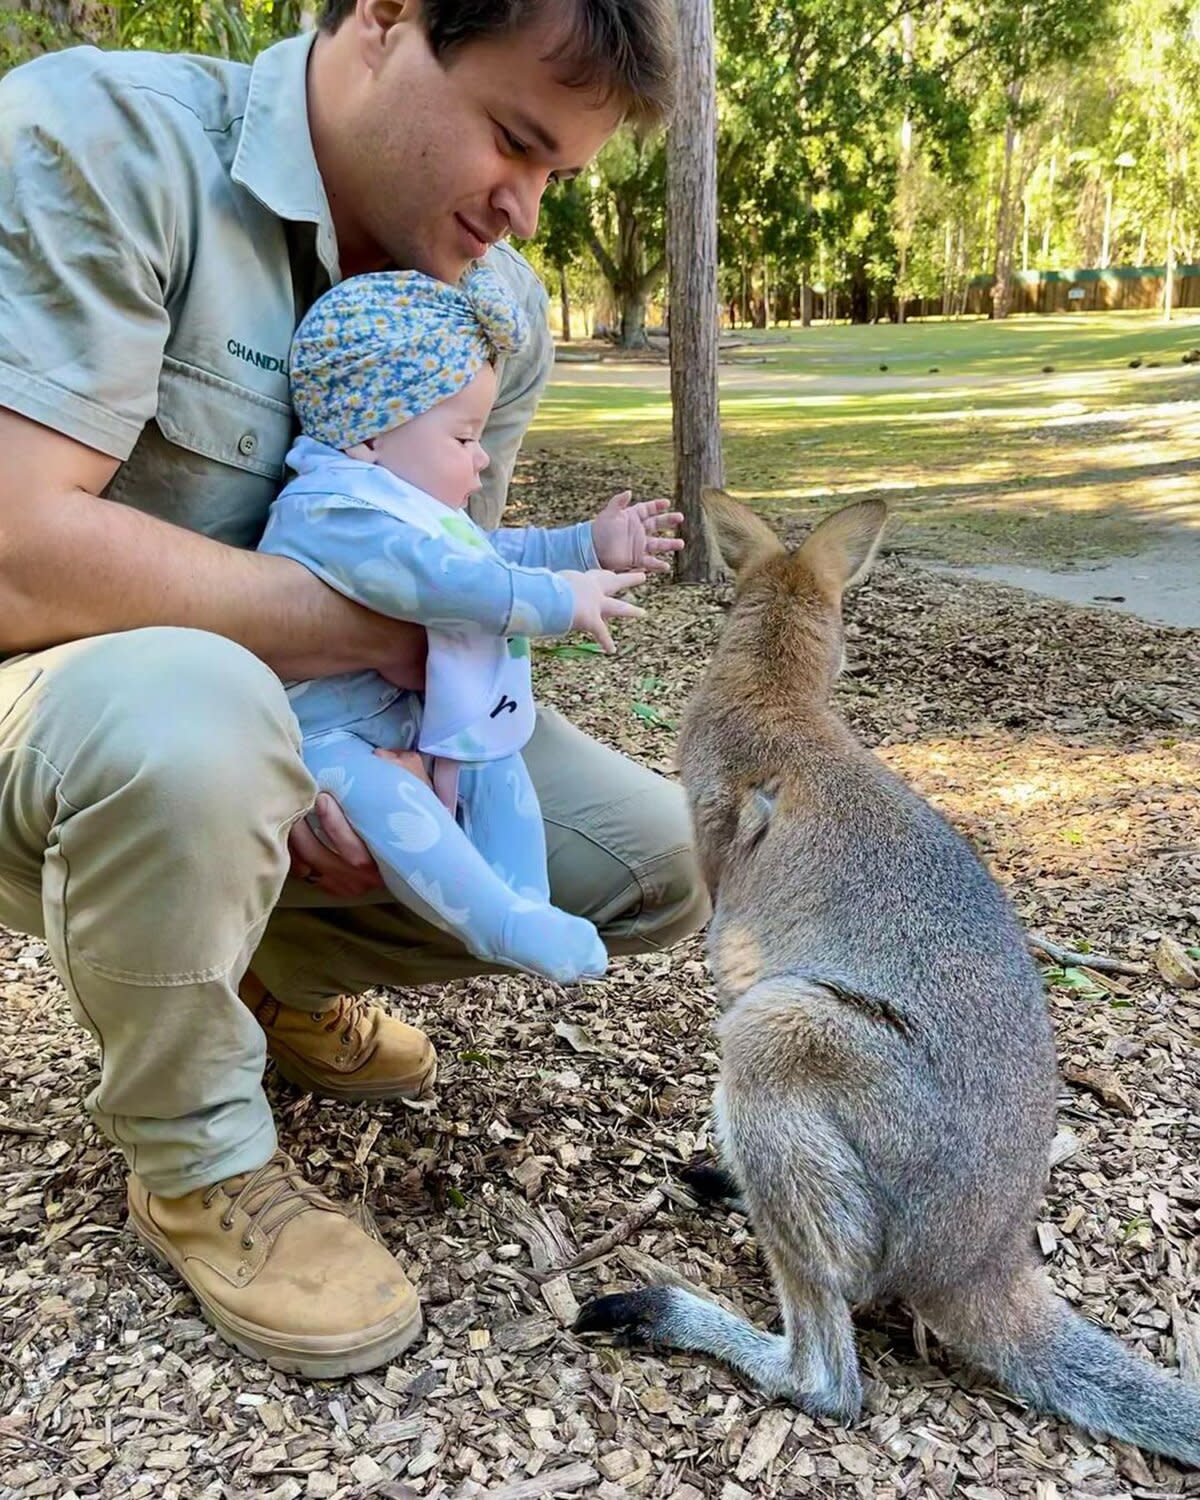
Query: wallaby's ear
[839, 552]
[743, 538]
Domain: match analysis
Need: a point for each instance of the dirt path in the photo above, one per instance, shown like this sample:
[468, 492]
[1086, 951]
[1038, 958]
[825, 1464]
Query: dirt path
[1161, 584]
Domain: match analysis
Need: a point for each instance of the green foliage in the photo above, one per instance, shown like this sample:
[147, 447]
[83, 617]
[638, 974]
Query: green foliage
[24, 35]
[238, 29]
[866, 150]
[1012, 130]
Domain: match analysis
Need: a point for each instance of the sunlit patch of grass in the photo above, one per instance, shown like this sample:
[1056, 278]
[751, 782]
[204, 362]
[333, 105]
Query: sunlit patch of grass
[990, 459]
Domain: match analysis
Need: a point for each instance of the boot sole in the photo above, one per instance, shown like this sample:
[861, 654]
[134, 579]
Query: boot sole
[318, 1359]
[295, 1073]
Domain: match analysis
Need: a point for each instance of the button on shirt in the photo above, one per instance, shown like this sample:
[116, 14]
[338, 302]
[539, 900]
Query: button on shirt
[162, 231]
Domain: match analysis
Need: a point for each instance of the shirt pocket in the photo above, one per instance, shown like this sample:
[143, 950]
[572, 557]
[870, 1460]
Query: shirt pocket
[213, 457]
[223, 421]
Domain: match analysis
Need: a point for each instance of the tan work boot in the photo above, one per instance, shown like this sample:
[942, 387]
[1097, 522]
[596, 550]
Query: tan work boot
[281, 1272]
[352, 1051]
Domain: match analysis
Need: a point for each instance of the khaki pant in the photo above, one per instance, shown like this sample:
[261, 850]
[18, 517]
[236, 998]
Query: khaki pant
[147, 784]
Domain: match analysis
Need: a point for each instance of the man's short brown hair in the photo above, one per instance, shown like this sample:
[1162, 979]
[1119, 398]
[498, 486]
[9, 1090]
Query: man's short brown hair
[624, 49]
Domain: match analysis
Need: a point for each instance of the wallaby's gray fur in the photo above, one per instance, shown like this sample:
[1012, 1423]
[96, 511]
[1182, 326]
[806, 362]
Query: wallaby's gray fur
[887, 1084]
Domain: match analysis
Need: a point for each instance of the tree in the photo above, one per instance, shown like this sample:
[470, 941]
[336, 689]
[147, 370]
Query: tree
[1021, 43]
[692, 263]
[1165, 63]
[625, 225]
[227, 28]
[562, 236]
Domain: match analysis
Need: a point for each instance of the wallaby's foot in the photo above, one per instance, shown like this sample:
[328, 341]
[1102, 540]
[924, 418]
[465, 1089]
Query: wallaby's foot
[634, 1315]
[796, 1371]
[712, 1186]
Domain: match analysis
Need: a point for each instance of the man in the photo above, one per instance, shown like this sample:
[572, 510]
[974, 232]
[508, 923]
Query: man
[165, 223]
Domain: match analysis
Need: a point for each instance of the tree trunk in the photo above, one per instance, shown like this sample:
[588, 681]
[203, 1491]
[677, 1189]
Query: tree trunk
[629, 281]
[947, 269]
[905, 188]
[692, 263]
[1025, 233]
[1106, 239]
[564, 297]
[633, 320]
[1169, 279]
[1049, 224]
[806, 302]
[1005, 226]
[860, 292]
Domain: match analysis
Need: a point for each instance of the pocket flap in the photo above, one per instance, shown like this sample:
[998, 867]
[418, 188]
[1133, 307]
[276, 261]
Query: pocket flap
[221, 420]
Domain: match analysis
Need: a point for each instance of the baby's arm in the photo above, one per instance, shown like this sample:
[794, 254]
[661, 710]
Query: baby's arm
[556, 547]
[443, 576]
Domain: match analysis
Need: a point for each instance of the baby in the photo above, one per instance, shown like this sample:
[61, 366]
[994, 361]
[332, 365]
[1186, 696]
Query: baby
[393, 379]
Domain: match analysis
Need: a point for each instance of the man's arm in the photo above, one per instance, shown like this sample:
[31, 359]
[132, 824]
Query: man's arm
[73, 565]
[522, 378]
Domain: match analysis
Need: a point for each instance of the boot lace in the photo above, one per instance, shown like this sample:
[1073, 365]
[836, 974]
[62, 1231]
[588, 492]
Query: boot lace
[271, 1197]
[350, 1013]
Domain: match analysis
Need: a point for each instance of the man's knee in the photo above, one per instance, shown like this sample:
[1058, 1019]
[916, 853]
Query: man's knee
[189, 717]
[638, 854]
[686, 908]
[674, 899]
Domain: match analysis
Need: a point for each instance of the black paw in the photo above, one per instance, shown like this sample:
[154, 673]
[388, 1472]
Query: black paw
[635, 1314]
[712, 1186]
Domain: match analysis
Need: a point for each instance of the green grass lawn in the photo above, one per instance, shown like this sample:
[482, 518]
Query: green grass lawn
[987, 457]
[1017, 346]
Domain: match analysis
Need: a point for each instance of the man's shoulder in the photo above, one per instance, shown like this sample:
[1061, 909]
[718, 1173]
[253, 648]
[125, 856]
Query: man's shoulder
[83, 92]
[516, 275]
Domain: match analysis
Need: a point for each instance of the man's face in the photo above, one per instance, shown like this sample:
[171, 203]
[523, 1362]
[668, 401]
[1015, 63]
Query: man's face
[435, 162]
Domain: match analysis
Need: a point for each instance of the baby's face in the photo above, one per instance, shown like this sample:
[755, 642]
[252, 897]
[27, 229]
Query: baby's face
[439, 451]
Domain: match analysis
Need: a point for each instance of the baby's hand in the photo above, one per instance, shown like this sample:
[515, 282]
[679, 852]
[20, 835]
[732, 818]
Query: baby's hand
[625, 536]
[595, 601]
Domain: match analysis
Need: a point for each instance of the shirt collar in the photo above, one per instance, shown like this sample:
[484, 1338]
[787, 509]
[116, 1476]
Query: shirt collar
[275, 159]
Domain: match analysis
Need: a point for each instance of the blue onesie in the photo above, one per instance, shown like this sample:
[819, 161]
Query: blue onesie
[389, 546]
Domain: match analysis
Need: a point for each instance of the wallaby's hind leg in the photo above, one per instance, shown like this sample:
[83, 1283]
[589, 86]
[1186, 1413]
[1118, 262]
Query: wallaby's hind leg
[813, 1364]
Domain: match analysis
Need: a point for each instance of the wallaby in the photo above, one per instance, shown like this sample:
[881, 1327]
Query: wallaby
[887, 1084]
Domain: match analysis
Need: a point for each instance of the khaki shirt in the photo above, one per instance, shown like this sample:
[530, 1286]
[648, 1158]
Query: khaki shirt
[163, 228]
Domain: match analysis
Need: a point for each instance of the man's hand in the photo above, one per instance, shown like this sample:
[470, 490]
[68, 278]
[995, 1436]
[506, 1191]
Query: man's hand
[595, 602]
[346, 868]
[628, 536]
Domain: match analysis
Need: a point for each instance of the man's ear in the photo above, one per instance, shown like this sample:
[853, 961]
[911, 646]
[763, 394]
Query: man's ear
[376, 21]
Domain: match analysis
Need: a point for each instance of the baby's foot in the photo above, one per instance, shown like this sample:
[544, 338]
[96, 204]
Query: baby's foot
[554, 944]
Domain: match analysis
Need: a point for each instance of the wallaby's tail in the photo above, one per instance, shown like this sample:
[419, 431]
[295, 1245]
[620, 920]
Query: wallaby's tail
[1042, 1350]
[743, 537]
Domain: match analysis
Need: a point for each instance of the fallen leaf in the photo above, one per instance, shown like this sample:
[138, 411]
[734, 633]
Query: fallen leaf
[1175, 966]
[1106, 1087]
[575, 1036]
